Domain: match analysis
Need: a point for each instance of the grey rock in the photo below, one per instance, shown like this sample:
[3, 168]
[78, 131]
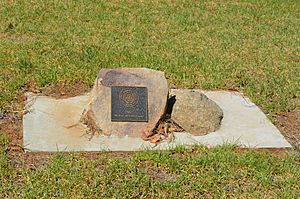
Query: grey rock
[98, 111]
[195, 112]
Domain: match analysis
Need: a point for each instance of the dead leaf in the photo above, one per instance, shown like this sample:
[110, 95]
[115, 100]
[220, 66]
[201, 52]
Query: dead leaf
[155, 140]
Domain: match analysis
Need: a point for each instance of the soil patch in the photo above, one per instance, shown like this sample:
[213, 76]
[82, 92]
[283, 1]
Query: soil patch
[289, 125]
[157, 172]
[60, 91]
[17, 37]
[37, 160]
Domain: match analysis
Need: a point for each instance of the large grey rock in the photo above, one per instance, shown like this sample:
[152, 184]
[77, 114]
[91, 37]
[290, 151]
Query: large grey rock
[98, 111]
[195, 112]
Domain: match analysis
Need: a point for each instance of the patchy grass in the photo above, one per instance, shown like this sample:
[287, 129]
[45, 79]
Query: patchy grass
[252, 46]
[196, 172]
[6, 172]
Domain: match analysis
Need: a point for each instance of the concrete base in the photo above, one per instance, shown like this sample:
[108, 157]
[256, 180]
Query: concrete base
[50, 126]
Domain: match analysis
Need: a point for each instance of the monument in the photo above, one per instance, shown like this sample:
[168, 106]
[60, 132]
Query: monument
[126, 102]
[132, 109]
[134, 102]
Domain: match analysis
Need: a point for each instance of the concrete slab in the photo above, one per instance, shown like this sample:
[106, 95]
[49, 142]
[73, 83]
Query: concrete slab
[46, 127]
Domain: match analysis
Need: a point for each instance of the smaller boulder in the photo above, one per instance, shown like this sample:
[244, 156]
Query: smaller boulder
[195, 112]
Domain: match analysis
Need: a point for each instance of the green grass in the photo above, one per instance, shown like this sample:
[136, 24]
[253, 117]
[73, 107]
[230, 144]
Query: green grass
[250, 45]
[198, 172]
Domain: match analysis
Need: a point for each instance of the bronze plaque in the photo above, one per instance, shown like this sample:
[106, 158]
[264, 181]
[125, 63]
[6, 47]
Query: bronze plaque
[129, 104]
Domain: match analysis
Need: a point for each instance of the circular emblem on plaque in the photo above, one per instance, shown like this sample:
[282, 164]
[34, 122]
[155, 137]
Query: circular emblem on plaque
[129, 97]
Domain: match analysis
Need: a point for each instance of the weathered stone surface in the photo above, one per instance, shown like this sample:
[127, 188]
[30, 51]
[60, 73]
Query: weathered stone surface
[98, 111]
[194, 112]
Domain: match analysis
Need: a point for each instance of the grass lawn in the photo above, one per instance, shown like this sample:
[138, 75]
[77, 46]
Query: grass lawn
[196, 172]
[249, 46]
